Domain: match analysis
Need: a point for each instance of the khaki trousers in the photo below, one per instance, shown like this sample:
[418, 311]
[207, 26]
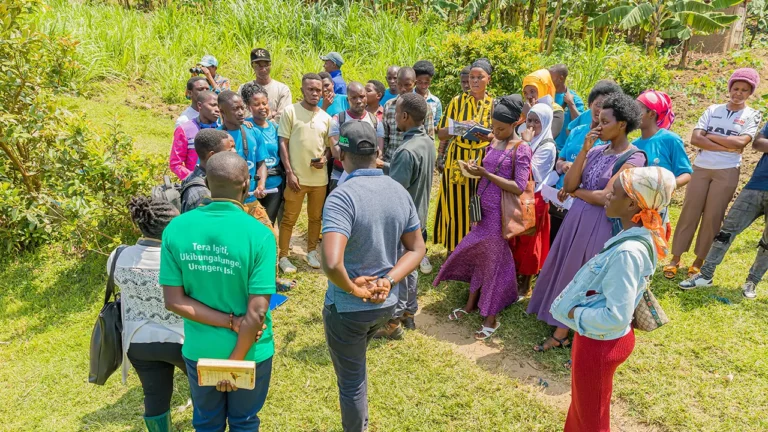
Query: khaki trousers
[706, 200]
[293, 202]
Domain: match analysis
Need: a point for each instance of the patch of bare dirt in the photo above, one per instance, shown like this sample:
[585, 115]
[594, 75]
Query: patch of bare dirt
[556, 392]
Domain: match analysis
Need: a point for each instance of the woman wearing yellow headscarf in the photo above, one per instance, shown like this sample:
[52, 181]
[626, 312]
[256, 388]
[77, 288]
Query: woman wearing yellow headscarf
[538, 87]
[600, 301]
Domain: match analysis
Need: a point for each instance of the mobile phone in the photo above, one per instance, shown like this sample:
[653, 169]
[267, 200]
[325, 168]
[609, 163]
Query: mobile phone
[315, 160]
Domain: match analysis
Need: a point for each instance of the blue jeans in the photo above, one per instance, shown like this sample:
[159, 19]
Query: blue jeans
[212, 408]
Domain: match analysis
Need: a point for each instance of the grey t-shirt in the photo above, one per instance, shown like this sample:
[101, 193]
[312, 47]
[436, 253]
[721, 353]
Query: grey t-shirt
[412, 166]
[373, 212]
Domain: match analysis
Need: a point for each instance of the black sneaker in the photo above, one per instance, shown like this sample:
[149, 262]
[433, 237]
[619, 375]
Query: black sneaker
[408, 322]
[749, 290]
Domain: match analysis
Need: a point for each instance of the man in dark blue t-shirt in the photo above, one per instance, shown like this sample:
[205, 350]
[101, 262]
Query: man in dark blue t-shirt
[750, 205]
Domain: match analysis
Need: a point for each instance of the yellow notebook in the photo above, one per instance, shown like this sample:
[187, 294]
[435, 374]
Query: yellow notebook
[241, 373]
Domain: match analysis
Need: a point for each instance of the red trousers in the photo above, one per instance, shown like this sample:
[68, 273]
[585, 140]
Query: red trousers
[593, 364]
[530, 252]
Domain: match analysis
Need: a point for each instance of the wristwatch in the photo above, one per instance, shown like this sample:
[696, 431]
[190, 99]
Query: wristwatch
[392, 282]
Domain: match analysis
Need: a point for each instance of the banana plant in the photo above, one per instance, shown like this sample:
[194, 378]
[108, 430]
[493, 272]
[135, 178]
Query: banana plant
[695, 17]
[668, 18]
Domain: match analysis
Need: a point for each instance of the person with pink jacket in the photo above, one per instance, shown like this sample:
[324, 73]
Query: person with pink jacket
[183, 156]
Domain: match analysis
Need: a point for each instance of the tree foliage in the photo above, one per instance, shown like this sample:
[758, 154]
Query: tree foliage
[512, 54]
[57, 177]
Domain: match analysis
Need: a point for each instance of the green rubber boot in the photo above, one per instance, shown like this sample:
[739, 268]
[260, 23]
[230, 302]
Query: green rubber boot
[161, 423]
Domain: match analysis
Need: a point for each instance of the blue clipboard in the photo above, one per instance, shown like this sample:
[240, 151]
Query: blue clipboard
[276, 301]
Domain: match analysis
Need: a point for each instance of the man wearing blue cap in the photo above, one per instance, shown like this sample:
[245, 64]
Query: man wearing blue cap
[208, 66]
[332, 65]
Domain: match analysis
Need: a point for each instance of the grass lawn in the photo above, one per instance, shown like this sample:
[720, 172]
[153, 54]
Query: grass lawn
[706, 371]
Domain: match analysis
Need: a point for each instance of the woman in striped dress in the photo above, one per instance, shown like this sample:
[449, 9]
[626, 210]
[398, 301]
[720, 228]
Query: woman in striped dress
[452, 217]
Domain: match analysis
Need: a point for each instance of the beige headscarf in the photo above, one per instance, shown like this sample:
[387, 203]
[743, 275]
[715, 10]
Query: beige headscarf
[651, 188]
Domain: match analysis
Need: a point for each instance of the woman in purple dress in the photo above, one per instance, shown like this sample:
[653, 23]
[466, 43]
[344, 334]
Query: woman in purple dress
[586, 228]
[483, 257]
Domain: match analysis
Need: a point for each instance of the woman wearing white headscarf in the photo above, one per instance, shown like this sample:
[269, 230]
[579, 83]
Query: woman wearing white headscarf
[600, 301]
[531, 251]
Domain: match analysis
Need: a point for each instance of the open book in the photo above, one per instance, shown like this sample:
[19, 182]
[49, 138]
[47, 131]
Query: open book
[240, 373]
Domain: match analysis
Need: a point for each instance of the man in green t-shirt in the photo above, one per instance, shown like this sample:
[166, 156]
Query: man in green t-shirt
[217, 269]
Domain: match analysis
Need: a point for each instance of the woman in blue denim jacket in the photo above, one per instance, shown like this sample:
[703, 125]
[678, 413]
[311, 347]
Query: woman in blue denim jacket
[600, 301]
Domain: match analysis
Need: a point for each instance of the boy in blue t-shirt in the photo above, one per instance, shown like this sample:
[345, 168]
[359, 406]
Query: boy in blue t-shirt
[248, 144]
[748, 207]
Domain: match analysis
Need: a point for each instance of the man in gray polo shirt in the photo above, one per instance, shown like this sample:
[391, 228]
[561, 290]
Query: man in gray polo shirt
[368, 248]
[411, 166]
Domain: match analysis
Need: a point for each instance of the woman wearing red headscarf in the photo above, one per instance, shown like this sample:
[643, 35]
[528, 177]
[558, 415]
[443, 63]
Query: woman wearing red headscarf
[663, 147]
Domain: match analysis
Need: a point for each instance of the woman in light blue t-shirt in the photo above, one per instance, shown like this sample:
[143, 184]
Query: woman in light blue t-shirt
[255, 97]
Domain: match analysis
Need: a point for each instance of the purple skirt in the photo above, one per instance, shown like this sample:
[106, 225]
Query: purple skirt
[583, 234]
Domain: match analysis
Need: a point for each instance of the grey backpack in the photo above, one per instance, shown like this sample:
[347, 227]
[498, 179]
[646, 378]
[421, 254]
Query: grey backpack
[168, 191]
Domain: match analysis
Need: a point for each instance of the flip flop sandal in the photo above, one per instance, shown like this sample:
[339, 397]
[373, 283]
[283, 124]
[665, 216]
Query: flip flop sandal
[568, 365]
[670, 271]
[283, 285]
[486, 332]
[453, 315]
[563, 343]
[693, 271]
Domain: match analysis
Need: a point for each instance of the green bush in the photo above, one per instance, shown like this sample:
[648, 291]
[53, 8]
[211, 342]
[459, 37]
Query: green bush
[58, 178]
[512, 54]
[636, 72]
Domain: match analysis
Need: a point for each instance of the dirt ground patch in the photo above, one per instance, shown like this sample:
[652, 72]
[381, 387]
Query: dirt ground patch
[552, 390]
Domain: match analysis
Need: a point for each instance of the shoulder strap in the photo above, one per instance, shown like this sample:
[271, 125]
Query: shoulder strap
[245, 142]
[342, 117]
[642, 240]
[111, 278]
[625, 157]
[196, 182]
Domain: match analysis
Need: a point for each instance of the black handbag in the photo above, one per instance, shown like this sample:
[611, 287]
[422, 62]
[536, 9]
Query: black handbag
[107, 335]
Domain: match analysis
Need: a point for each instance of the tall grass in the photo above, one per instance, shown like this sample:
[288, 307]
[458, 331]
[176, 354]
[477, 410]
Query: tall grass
[161, 46]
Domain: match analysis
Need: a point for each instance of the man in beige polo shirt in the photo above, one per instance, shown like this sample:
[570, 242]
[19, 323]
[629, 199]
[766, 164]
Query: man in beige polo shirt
[304, 151]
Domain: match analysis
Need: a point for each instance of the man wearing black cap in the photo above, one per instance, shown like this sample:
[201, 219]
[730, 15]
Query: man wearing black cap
[332, 65]
[278, 94]
[368, 249]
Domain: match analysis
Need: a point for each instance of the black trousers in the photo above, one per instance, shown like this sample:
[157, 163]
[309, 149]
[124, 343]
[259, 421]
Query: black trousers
[272, 202]
[155, 363]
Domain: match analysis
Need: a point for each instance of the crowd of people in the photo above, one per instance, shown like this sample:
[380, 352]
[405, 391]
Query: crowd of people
[532, 186]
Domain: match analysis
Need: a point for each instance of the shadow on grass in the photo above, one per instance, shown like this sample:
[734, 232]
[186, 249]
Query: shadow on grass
[43, 289]
[127, 412]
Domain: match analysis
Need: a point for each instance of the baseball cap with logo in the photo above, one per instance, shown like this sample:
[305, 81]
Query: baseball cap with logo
[334, 57]
[357, 137]
[209, 60]
[260, 54]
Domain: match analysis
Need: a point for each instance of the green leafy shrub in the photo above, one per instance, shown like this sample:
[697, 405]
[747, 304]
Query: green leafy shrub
[636, 72]
[512, 54]
[58, 178]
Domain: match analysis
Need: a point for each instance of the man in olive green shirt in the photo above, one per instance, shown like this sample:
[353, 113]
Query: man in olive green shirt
[217, 268]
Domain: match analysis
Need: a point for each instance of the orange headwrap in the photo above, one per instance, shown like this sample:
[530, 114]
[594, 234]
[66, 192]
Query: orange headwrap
[651, 188]
[542, 80]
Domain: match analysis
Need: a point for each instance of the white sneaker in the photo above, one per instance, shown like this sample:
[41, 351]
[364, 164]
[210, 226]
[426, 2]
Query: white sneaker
[749, 290]
[425, 266]
[286, 266]
[313, 259]
[695, 281]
